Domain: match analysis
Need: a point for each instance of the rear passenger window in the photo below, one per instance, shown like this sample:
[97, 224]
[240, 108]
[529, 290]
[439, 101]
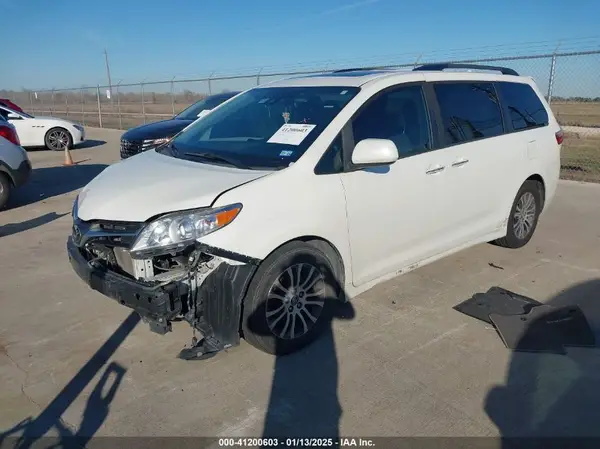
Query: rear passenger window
[524, 107]
[470, 111]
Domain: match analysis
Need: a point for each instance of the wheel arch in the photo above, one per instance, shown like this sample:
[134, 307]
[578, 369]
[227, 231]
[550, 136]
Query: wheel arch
[324, 245]
[7, 172]
[538, 178]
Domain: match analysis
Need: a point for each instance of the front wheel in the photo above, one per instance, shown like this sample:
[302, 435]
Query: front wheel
[57, 139]
[291, 298]
[524, 216]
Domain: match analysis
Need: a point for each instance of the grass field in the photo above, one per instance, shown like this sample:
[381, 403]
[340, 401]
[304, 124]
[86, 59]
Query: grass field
[580, 158]
[580, 154]
[578, 113]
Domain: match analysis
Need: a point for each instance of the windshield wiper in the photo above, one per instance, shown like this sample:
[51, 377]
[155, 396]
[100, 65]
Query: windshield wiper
[217, 158]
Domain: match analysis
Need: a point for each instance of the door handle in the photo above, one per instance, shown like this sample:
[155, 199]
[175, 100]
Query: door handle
[436, 169]
[460, 162]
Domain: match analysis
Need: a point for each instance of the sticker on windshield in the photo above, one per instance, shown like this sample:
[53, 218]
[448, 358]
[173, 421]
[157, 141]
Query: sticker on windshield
[286, 153]
[291, 134]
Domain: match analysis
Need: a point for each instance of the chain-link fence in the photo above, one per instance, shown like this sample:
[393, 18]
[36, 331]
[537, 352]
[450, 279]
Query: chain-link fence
[571, 82]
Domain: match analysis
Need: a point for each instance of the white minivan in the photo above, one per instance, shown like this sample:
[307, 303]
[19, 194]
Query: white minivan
[255, 219]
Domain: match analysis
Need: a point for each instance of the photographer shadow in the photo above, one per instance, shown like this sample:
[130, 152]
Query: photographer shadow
[303, 401]
[551, 395]
[38, 431]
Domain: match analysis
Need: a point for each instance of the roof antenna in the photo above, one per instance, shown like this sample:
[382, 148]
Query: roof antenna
[417, 61]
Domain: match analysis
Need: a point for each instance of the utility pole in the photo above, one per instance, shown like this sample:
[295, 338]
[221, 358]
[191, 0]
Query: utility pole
[108, 75]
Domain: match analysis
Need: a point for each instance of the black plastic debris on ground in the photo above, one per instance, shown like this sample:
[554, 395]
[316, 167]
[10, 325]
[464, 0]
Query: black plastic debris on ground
[545, 329]
[525, 324]
[527, 332]
[496, 301]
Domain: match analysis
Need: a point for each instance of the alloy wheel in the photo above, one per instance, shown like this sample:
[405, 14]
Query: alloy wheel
[295, 301]
[524, 217]
[58, 140]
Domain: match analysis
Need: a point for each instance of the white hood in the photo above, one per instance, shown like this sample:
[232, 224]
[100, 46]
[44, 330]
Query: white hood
[150, 183]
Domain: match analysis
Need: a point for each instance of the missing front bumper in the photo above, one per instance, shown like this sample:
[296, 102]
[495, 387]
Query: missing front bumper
[213, 306]
[158, 305]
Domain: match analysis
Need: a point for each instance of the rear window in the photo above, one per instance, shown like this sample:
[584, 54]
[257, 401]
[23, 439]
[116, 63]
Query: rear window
[525, 110]
[470, 111]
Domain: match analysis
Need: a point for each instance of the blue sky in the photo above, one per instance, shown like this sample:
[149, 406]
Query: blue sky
[60, 43]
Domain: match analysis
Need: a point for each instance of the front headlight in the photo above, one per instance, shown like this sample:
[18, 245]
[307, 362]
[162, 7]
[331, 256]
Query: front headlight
[149, 143]
[180, 229]
[78, 128]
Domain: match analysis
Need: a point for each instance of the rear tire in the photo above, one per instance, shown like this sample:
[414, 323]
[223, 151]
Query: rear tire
[523, 217]
[57, 139]
[291, 298]
[5, 188]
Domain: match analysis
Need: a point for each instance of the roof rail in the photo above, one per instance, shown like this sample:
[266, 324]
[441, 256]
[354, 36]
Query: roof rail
[355, 69]
[449, 65]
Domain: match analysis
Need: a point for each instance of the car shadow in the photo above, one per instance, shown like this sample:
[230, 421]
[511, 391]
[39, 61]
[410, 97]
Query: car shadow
[47, 182]
[15, 228]
[91, 143]
[28, 432]
[552, 395]
[303, 400]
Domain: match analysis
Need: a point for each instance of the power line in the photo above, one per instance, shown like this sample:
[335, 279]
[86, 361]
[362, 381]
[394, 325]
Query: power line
[504, 51]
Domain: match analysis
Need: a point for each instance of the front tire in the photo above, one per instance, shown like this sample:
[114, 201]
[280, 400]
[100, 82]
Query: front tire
[524, 215]
[291, 298]
[57, 139]
[5, 188]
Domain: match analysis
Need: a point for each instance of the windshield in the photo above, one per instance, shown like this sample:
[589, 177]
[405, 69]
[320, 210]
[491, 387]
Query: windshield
[207, 103]
[5, 111]
[25, 114]
[262, 128]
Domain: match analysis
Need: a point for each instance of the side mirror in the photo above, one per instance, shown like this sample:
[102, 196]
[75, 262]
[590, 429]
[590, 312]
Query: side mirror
[12, 116]
[374, 152]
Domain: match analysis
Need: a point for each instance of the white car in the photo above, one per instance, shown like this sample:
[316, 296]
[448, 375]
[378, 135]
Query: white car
[50, 132]
[15, 166]
[256, 219]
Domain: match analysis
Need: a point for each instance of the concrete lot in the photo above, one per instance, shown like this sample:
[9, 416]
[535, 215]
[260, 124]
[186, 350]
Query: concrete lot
[405, 364]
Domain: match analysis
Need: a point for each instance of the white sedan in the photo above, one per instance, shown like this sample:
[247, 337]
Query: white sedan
[50, 132]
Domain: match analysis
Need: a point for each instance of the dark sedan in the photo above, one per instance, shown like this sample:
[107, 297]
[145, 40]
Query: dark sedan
[146, 137]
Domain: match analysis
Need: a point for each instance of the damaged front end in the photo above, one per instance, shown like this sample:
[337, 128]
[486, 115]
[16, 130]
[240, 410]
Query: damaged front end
[197, 283]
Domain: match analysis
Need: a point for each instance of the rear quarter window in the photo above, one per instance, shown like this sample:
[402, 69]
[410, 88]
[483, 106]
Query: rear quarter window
[525, 110]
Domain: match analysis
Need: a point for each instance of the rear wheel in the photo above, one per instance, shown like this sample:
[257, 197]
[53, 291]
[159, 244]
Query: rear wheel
[5, 188]
[291, 298]
[57, 139]
[524, 216]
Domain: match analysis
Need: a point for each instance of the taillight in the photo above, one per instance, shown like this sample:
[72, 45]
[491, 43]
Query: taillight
[560, 136]
[10, 135]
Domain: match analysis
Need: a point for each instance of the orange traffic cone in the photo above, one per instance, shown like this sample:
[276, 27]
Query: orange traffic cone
[68, 158]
